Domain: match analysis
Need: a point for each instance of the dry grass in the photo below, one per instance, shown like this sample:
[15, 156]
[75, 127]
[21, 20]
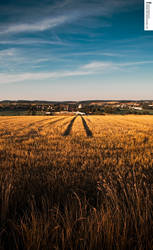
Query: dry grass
[74, 191]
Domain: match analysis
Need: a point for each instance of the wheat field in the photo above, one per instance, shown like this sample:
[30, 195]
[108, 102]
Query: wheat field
[72, 182]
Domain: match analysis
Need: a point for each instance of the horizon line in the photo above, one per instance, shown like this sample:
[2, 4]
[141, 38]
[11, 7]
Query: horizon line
[87, 100]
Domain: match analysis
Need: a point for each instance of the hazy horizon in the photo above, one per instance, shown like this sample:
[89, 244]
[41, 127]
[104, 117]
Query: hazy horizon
[66, 50]
[83, 100]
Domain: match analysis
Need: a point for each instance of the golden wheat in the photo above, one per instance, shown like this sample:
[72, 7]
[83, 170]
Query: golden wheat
[71, 182]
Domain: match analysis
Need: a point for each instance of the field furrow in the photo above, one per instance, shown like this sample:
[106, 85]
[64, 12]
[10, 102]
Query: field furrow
[86, 127]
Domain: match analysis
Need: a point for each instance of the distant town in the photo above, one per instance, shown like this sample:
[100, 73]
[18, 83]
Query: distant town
[91, 107]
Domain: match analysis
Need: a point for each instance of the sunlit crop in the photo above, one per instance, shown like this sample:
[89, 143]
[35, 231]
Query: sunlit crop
[71, 182]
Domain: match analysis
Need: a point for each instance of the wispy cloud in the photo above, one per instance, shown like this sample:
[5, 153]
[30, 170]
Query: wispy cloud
[87, 69]
[36, 26]
[95, 53]
[99, 65]
[46, 16]
[28, 41]
[135, 63]
[14, 78]
[7, 52]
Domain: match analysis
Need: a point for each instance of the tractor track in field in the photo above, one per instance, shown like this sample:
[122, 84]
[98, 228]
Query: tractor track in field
[33, 133]
[34, 123]
[51, 123]
[69, 127]
[4, 133]
[87, 129]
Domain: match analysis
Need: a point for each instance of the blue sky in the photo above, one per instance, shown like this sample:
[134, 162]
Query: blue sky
[74, 50]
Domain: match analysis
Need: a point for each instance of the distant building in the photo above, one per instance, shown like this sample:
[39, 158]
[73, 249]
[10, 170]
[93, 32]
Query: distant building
[80, 113]
[137, 108]
[48, 113]
[80, 106]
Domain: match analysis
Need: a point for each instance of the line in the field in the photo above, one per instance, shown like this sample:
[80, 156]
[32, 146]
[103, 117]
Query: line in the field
[87, 129]
[69, 127]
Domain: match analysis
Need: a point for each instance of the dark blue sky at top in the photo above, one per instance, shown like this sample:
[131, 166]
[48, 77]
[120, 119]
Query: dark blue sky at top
[66, 49]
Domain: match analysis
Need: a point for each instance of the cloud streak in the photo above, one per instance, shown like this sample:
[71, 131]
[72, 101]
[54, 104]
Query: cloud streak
[87, 69]
[7, 52]
[34, 27]
[14, 78]
[39, 18]
[28, 41]
[99, 65]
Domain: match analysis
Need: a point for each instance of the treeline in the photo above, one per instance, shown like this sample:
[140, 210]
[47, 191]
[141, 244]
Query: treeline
[88, 107]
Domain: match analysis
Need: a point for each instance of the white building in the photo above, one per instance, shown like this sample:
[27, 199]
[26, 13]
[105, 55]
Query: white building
[48, 113]
[137, 108]
[80, 113]
[80, 106]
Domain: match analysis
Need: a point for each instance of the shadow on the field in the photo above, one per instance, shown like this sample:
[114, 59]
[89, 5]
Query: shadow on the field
[69, 127]
[30, 125]
[33, 132]
[87, 129]
[50, 123]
